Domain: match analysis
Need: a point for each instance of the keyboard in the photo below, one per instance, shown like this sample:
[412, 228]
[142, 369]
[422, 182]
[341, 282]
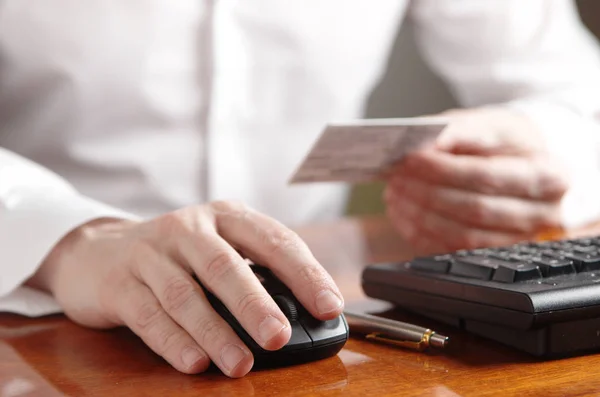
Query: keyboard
[539, 297]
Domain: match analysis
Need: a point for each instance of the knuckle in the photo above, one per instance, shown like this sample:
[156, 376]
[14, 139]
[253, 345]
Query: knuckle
[554, 184]
[177, 293]
[171, 224]
[165, 340]
[487, 182]
[478, 210]
[220, 266]
[142, 253]
[147, 315]
[209, 331]
[312, 275]
[251, 303]
[281, 241]
[231, 207]
[549, 179]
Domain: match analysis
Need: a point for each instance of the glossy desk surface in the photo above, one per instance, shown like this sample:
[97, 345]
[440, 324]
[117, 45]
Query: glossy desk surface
[54, 357]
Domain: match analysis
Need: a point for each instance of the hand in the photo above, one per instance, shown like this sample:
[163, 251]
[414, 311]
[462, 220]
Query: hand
[139, 274]
[488, 181]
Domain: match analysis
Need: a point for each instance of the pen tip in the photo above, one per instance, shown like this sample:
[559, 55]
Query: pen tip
[439, 341]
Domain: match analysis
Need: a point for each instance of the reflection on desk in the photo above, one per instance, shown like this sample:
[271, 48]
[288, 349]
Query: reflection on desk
[52, 356]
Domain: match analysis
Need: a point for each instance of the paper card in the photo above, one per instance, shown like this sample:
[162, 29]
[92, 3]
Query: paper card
[364, 150]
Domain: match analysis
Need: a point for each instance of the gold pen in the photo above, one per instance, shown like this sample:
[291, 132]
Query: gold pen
[394, 332]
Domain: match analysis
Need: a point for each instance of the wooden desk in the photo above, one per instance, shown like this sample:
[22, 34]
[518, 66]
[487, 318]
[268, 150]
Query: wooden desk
[52, 356]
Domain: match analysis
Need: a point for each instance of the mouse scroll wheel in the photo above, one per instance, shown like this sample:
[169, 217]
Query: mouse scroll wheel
[287, 306]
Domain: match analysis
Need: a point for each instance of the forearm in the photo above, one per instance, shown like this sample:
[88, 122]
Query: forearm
[37, 209]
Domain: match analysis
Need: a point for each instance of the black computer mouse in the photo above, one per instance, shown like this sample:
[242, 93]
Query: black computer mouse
[311, 339]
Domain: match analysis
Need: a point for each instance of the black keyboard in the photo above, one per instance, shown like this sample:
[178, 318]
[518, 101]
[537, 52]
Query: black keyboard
[539, 297]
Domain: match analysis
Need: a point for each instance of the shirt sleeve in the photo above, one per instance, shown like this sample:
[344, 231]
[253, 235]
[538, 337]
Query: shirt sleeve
[37, 208]
[535, 57]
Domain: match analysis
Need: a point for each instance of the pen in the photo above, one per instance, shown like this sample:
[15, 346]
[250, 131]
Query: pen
[394, 332]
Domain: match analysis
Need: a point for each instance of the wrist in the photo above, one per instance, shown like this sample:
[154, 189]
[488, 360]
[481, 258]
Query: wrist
[66, 248]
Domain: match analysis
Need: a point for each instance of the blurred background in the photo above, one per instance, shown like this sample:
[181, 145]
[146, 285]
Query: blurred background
[409, 88]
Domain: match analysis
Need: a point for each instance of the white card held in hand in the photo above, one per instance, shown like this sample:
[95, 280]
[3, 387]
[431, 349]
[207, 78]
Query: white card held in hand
[363, 150]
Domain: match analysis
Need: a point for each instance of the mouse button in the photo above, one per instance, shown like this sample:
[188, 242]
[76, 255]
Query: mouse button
[325, 332]
[262, 272]
[299, 338]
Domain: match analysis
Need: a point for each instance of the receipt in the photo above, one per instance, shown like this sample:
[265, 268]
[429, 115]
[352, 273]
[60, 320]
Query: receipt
[363, 150]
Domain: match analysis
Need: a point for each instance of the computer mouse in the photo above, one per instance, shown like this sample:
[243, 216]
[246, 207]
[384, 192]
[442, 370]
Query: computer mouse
[311, 339]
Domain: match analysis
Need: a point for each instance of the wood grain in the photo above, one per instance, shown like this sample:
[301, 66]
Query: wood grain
[53, 356]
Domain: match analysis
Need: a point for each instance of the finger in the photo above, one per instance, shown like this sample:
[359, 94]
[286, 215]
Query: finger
[464, 132]
[143, 314]
[452, 234]
[421, 243]
[509, 176]
[481, 210]
[226, 274]
[184, 301]
[270, 243]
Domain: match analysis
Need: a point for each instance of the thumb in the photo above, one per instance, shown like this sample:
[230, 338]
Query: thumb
[487, 132]
[461, 138]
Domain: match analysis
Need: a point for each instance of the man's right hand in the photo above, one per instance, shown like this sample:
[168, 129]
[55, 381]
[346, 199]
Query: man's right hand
[112, 272]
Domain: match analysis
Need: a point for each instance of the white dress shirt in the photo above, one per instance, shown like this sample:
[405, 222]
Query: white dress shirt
[135, 108]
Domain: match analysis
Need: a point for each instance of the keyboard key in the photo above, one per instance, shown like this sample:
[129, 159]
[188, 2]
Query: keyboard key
[554, 266]
[585, 262]
[585, 249]
[558, 254]
[561, 245]
[505, 256]
[523, 258]
[436, 264]
[549, 252]
[478, 267]
[481, 251]
[527, 250]
[511, 272]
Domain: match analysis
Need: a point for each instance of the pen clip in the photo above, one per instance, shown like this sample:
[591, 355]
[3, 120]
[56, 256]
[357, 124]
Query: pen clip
[419, 346]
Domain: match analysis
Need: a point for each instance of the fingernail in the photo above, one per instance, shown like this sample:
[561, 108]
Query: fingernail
[269, 328]
[231, 356]
[191, 356]
[328, 302]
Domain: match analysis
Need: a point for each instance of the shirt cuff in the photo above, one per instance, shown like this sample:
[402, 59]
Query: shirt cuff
[574, 140]
[29, 302]
[32, 224]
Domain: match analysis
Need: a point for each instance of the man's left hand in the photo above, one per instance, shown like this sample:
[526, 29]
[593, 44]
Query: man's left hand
[488, 181]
